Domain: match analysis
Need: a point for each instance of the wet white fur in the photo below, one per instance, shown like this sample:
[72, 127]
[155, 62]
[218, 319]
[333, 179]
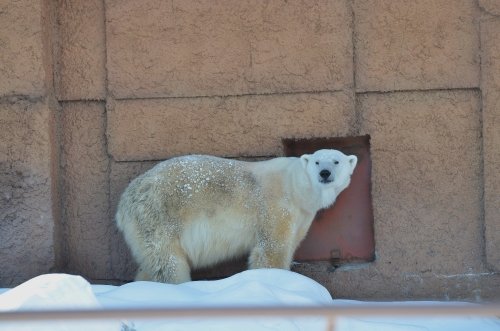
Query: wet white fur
[195, 211]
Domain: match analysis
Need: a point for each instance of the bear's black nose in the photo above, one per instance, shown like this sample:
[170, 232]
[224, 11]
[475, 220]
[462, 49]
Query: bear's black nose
[325, 174]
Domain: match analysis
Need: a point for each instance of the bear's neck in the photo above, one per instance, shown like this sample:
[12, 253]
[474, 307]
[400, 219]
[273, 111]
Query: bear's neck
[328, 197]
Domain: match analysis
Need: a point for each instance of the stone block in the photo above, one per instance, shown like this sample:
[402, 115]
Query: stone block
[85, 189]
[192, 48]
[490, 6]
[82, 53]
[366, 282]
[412, 45]
[156, 129]
[426, 180]
[26, 191]
[490, 87]
[21, 48]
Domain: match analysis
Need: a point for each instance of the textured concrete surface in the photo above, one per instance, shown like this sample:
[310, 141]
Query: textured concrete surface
[490, 86]
[26, 191]
[84, 168]
[21, 48]
[367, 281]
[491, 6]
[192, 48]
[228, 126]
[82, 50]
[422, 44]
[426, 180]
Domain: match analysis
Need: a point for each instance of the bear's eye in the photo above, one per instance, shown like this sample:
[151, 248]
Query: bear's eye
[335, 162]
[317, 162]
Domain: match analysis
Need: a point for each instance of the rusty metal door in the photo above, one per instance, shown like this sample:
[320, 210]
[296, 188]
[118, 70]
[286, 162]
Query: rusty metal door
[343, 232]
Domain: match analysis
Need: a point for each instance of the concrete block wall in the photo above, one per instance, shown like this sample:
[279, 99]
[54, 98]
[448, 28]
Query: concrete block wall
[249, 125]
[99, 91]
[29, 201]
[189, 48]
[416, 45]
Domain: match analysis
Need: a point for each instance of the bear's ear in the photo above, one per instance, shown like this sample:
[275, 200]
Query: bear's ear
[304, 159]
[353, 160]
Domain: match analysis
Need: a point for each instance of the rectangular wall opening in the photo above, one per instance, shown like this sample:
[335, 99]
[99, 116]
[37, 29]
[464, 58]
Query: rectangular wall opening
[344, 232]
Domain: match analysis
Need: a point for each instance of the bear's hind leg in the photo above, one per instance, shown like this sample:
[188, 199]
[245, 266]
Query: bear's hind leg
[167, 265]
[143, 276]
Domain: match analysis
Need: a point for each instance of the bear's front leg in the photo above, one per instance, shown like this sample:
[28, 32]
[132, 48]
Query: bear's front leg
[275, 247]
[262, 257]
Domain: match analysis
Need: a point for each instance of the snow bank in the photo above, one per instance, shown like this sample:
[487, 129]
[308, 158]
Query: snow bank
[53, 291]
[265, 287]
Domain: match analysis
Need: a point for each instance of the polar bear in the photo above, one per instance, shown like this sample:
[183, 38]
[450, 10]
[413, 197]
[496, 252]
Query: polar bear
[194, 211]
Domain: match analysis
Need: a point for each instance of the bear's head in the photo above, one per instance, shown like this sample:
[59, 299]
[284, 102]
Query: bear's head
[331, 170]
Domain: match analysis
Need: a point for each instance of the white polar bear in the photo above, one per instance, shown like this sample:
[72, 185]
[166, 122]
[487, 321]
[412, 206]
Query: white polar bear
[195, 211]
